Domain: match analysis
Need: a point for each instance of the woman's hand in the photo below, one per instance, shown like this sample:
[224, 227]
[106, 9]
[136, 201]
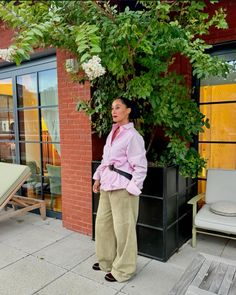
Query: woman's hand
[96, 186]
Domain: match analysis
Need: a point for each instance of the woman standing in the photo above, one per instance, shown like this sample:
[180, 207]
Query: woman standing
[119, 179]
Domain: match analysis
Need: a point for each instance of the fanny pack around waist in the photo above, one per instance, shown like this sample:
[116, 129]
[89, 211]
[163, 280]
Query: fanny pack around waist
[123, 173]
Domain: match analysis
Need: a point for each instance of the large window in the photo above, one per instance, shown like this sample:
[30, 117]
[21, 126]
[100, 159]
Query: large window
[29, 127]
[218, 103]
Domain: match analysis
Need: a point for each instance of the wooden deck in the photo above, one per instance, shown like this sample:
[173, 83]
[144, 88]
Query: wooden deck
[207, 275]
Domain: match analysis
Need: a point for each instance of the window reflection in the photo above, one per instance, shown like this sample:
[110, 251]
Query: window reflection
[219, 155]
[6, 98]
[48, 87]
[27, 90]
[50, 124]
[7, 130]
[30, 156]
[7, 152]
[53, 176]
[213, 93]
[6, 125]
[6, 109]
[50, 154]
[30, 152]
[29, 125]
[201, 186]
[222, 118]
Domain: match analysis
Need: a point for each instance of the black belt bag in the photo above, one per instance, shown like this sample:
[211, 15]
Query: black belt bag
[125, 174]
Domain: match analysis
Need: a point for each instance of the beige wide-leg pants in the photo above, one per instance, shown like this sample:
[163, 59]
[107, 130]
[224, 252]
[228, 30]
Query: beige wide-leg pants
[115, 233]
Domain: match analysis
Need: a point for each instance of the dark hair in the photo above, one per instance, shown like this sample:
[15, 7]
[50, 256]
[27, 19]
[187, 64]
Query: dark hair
[134, 114]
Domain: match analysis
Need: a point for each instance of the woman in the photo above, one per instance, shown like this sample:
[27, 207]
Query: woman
[119, 179]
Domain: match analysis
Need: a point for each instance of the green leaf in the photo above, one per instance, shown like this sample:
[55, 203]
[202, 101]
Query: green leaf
[37, 32]
[84, 57]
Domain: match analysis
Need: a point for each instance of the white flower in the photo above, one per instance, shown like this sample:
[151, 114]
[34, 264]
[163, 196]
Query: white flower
[93, 68]
[6, 54]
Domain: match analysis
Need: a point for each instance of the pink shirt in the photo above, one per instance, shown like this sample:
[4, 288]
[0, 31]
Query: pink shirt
[127, 153]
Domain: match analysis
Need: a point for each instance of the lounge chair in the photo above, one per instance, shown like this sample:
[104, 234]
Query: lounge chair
[218, 216]
[12, 177]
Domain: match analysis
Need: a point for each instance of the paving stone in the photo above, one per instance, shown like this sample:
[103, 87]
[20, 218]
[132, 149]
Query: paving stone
[27, 276]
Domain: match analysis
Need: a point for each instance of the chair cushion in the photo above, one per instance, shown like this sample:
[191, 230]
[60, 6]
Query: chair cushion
[11, 176]
[225, 208]
[211, 221]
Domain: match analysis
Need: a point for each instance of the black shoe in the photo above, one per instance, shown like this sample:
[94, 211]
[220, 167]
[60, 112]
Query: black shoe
[96, 266]
[109, 277]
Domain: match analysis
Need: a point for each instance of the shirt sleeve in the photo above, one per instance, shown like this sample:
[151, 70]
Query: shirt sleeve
[102, 166]
[97, 174]
[136, 155]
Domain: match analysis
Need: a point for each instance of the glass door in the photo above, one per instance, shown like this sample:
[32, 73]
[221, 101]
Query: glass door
[29, 128]
[218, 103]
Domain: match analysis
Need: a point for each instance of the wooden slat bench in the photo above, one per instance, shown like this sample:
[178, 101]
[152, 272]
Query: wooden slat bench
[207, 275]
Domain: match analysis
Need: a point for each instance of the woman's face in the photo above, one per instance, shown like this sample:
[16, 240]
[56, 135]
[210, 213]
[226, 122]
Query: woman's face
[120, 112]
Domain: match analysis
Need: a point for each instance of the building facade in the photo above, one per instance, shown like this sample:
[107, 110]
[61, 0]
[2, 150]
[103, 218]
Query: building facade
[40, 127]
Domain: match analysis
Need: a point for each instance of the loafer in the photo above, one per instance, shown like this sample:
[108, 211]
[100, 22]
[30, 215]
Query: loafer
[109, 277]
[96, 266]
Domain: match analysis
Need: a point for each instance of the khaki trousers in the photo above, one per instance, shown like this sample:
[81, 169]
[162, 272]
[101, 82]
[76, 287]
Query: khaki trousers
[115, 233]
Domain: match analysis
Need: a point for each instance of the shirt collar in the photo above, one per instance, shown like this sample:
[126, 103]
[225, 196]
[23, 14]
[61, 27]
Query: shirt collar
[126, 126]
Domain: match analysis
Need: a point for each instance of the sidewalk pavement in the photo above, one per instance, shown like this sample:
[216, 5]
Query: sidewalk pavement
[43, 258]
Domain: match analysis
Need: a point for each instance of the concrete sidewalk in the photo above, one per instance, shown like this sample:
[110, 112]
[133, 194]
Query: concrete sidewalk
[42, 257]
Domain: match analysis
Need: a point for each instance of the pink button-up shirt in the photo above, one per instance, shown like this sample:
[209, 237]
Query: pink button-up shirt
[127, 153]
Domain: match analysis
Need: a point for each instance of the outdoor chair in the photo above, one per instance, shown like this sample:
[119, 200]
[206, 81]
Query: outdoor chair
[54, 175]
[12, 177]
[218, 215]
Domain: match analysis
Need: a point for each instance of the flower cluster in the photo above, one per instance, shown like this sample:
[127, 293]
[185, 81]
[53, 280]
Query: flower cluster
[93, 68]
[6, 54]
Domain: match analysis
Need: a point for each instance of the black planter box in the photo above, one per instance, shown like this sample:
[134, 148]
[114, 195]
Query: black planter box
[165, 219]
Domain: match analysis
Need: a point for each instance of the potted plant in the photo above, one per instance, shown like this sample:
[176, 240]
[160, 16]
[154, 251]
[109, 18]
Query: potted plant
[131, 51]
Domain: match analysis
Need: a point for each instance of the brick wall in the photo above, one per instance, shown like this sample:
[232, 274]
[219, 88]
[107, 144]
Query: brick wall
[5, 36]
[76, 152]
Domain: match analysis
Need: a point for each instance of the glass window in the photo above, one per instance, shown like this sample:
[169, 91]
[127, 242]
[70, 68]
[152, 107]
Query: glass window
[35, 139]
[218, 103]
[6, 96]
[6, 125]
[50, 154]
[6, 110]
[48, 87]
[50, 124]
[7, 152]
[222, 120]
[219, 155]
[29, 124]
[213, 93]
[201, 186]
[30, 152]
[27, 90]
[7, 129]
[53, 177]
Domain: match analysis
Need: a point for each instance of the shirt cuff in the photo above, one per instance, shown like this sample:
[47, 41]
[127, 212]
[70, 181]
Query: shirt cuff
[133, 189]
[96, 176]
